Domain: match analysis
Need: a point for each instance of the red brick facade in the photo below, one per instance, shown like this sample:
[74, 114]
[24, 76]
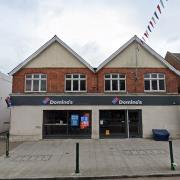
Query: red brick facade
[136, 85]
[95, 81]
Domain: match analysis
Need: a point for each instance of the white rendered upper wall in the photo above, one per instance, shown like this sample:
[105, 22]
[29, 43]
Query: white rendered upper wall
[55, 56]
[129, 59]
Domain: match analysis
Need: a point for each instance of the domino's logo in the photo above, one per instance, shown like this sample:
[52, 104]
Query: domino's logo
[46, 100]
[115, 100]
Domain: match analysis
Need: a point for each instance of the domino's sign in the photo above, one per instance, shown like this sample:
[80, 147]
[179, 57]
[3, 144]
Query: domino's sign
[48, 101]
[118, 100]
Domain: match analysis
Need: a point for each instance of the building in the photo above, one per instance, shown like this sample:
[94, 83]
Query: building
[57, 94]
[5, 90]
[174, 60]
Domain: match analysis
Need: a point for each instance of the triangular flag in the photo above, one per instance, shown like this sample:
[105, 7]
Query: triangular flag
[159, 8]
[156, 15]
[143, 39]
[162, 4]
[146, 35]
[151, 24]
[149, 28]
[153, 20]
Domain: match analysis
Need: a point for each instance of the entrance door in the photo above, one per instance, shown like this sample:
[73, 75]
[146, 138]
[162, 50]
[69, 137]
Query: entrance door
[120, 123]
[135, 123]
[112, 123]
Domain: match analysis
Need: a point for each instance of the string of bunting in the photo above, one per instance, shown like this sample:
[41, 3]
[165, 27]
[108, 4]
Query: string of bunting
[154, 19]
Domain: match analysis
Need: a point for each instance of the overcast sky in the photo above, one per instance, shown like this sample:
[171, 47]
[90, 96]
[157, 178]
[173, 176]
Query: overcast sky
[93, 28]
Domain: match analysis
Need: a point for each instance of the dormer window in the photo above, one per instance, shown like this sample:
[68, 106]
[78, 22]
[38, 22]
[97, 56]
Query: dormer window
[35, 83]
[75, 83]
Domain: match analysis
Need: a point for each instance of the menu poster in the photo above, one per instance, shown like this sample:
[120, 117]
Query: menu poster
[74, 120]
[84, 122]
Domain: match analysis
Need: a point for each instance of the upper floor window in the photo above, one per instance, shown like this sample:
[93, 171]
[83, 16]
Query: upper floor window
[75, 83]
[115, 82]
[154, 82]
[35, 83]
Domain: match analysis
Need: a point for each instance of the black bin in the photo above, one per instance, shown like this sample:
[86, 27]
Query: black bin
[160, 134]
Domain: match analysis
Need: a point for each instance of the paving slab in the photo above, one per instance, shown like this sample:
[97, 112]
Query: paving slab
[98, 159]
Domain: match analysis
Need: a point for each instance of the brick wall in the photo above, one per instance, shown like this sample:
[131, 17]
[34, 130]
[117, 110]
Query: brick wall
[55, 78]
[95, 82]
[134, 85]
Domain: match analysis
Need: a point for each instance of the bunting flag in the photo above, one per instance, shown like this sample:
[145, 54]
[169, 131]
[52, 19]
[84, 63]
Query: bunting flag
[156, 15]
[159, 8]
[146, 34]
[143, 39]
[149, 28]
[153, 20]
[142, 42]
[162, 4]
[151, 24]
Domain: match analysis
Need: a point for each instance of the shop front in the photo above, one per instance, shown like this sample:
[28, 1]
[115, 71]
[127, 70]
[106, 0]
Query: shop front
[120, 123]
[44, 117]
[66, 123]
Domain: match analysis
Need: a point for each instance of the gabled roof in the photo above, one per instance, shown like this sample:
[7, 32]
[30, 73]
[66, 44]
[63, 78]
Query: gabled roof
[45, 46]
[177, 55]
[145, 46]
[173, 59]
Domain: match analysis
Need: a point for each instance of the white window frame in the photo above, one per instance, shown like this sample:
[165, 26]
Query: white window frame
[32, 79]
[79, 79]
[157, 79]
[118, 79]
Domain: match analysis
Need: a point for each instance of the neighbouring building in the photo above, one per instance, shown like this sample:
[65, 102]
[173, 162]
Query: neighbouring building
[5, 90]
[57, 94]
[174, 60]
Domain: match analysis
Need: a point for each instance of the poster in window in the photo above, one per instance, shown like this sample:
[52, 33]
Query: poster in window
[84, 122]
[74, 120]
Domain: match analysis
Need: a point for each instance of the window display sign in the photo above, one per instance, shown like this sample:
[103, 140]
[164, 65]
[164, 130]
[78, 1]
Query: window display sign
[74, 120]
[84, 121]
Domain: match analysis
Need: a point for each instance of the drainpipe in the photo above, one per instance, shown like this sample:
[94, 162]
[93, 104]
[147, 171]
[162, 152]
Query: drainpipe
[136, 70]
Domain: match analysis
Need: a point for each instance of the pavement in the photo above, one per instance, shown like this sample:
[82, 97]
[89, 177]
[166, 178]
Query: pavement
[3, 145]
[99, 159]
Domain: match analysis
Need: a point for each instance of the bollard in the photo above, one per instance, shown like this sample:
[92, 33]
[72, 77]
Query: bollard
[77, 158]
[7, 144]
[171, 156]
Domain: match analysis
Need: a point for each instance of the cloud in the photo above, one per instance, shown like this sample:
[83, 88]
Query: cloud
[95, 29]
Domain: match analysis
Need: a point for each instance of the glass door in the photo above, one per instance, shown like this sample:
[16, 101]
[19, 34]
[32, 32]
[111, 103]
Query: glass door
[134, 123]
[112, 123]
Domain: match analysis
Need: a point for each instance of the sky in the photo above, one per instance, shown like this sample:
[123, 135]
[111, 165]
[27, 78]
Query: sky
[92, 28]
